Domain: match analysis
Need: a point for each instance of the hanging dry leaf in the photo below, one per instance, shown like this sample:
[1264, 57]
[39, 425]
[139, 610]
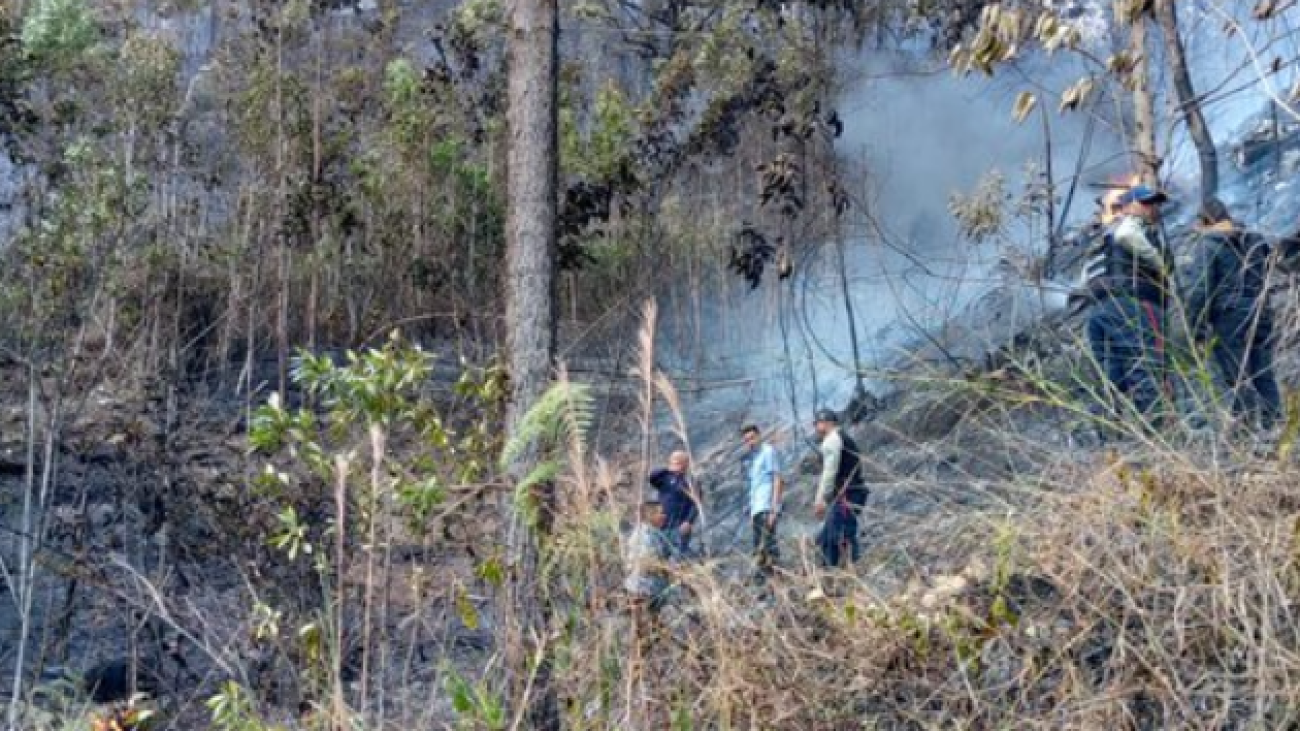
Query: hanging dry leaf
[1269, 9]
[1130, 11]
[1122, 63]
[1077, 94]
[1026, 102]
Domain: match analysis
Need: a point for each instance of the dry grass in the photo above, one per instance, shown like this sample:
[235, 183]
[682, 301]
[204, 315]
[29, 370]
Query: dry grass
[1157, 597]
[1152, 584]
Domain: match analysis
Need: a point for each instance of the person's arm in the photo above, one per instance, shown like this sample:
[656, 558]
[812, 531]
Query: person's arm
[832, 447]
[657, 478]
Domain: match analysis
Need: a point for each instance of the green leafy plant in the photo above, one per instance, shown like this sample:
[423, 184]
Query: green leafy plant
[232, 709]
[476, 706]
[57, 32]
[558, 420]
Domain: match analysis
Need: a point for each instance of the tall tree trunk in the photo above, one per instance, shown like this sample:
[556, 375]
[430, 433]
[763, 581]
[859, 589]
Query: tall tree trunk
[1188, 103]
[533, 181]
[1144, 108]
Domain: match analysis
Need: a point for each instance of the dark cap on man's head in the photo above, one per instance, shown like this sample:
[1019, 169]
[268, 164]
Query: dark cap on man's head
[1213, 211]
[1143, 194]
[826, 415]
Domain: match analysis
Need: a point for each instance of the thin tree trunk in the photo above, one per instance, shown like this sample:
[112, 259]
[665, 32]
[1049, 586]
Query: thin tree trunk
[26, 549]
[314, 262]
[338, 704]
[282, 246]
[859, 387]
[1188, 103]
[533, 177]
[1144, 112]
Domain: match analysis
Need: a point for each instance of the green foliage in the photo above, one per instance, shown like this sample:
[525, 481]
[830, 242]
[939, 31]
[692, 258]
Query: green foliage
[476, 706]
[375, 387]
[73, 250]
[272, 105]
[560, 418]
[232, 709]
[57, 32]
[148, 72]
[478, 19]
[563, 413]
[716, 62]
[601, 148]
[292, 538]
[409, 115]
[377, 394]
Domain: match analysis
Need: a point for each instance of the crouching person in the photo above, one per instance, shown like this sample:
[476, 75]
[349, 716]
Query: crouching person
[649, 549]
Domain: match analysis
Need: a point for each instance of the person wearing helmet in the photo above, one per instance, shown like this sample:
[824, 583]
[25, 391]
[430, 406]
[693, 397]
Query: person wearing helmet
[1127, 279]
[841, 492]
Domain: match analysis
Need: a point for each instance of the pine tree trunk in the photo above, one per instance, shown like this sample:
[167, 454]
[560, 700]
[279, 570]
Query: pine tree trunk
[1144, 112]
[1188, 103]
[532, 174]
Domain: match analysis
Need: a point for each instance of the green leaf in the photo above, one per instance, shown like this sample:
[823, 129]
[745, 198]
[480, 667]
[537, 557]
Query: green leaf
[462, 696]
[493, 571]
[465, 608]
[566, 410]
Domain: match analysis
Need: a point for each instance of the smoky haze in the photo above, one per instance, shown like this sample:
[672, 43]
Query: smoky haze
[920, 135]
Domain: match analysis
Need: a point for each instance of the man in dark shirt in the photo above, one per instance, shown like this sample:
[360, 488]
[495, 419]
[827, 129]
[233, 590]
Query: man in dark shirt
[1127, 281]
[679, 500]
[1227, 308]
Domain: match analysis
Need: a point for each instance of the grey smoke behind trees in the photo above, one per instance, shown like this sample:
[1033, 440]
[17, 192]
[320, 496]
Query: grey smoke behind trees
[920, 135]
[914, 136]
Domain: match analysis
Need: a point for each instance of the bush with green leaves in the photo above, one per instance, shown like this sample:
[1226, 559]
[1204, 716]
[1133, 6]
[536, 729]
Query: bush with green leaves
[57, 32]
[363, 466]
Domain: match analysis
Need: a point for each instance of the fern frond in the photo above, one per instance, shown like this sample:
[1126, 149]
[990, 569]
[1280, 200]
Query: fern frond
[564, 412]
[526, 504]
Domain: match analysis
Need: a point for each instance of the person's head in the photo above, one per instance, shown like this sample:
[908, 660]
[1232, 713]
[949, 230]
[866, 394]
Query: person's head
[1213, 213]
[652, 513]
[751, 436]
[1108, 206]
[825, 422]
[678, 461]
[1143, 201]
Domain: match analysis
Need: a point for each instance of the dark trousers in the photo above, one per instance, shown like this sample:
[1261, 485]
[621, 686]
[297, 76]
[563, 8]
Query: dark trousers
[1243, 351]
[1127, 340]
[765, 552]
[839, 534]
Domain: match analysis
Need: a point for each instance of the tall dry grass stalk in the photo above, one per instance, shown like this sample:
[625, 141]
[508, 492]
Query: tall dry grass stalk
[668, 392]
